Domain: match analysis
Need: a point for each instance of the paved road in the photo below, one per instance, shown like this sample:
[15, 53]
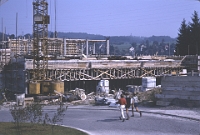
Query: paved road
[99, 122]
[103, 120]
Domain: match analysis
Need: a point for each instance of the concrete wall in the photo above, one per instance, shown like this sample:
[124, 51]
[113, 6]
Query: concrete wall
[180, 90]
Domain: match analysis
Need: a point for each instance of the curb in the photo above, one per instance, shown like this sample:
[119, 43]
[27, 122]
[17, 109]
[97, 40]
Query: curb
[172, 115]
[77, 129]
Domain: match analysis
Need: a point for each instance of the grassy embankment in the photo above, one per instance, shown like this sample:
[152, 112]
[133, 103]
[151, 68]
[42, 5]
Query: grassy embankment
[9, 128]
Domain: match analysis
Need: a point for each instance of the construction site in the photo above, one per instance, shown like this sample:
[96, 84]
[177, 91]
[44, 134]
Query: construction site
[49, 68]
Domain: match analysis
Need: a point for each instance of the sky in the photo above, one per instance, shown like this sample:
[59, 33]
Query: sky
[103, 17]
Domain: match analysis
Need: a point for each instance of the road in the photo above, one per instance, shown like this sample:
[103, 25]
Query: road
[103, 121]
[106, 121]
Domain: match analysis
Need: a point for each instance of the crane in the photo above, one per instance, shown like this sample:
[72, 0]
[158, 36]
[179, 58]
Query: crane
[40, 39]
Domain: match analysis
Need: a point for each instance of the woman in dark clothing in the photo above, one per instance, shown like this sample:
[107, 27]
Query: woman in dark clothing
[128, 101]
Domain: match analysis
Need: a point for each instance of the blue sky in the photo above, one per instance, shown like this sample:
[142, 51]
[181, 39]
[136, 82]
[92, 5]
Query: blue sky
[104, 17]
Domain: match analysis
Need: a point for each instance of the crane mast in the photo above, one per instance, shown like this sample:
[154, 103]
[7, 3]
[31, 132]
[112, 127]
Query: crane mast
[40, 39]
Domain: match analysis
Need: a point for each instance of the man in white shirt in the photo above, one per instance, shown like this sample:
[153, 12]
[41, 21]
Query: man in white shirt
[135, 102]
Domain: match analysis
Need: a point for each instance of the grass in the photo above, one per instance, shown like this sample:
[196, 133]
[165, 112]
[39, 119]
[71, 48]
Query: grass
[9, 128]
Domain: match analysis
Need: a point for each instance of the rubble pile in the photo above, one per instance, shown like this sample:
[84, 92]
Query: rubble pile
[148, 97]
[78, 97]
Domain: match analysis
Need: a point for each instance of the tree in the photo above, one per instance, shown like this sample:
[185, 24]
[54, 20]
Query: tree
[28, 36]
[34, 113]
[183, 39]
[195, 33]
[31, 113]
[12, 36]
[188, 41]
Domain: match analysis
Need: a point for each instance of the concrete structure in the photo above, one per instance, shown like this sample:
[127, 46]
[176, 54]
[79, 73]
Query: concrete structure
[18, 74]
[66, 70]
[56, 46]
[180, 90]
[66, 63]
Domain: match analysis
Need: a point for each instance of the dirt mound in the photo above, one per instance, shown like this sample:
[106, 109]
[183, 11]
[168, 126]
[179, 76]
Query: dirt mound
[147, 98]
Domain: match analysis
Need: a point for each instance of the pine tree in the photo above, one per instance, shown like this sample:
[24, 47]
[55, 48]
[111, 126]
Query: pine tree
[195, 34]
[183, 39]
[188, 40]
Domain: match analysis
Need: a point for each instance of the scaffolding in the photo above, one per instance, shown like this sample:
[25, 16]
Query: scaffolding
[40, 39]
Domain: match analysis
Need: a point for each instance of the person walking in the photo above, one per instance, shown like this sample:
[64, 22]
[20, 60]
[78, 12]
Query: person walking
[122, 102]
[127, 106]
[135, 102]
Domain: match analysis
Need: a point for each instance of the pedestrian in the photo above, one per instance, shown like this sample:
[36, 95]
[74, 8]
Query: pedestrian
[135, 102]
[128, 101]
[122, 102]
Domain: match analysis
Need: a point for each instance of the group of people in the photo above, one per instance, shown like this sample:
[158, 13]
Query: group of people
[125, 103]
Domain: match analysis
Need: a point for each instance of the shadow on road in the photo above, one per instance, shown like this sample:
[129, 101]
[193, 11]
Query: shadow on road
[108, 120]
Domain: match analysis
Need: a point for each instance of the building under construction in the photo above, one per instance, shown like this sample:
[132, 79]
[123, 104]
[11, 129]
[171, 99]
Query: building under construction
[71, 65]
[40, 65]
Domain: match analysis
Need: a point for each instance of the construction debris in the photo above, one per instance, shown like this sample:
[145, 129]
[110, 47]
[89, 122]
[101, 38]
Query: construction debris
[80, 93]
[20, 99]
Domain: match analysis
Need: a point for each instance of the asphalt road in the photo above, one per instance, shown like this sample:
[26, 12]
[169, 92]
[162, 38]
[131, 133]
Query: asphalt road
[106, 122]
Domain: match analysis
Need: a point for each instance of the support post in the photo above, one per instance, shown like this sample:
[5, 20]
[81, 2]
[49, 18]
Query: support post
[107, 46]
[94, 48]
[64, 47]
[86, 47]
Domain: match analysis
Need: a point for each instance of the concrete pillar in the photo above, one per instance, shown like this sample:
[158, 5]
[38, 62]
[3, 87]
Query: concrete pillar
[64, 47]
[86, 47]
[108, 47]
[94, 48]
[82, 49]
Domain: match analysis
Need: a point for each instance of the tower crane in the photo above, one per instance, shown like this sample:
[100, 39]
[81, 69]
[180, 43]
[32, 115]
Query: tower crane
[40, 39]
